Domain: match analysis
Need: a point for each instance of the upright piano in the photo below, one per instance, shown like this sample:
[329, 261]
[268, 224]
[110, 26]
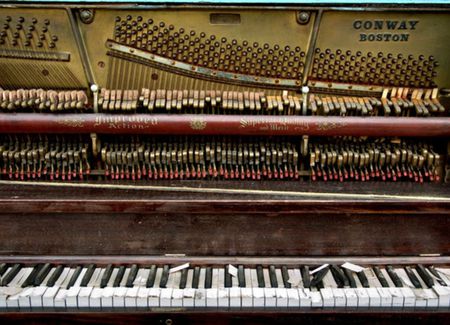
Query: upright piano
[224, 162]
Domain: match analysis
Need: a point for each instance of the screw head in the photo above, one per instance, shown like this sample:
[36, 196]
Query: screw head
[303, 17]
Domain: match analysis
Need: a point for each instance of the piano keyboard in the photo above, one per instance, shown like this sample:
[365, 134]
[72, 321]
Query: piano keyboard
[95, 287]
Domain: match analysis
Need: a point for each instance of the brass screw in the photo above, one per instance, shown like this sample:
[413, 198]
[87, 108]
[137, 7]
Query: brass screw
[303, 17]
[169, 321]
[86, 16]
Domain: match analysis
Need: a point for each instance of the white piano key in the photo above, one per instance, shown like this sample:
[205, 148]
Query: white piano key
[22, 299]
[72, 293]
[316, 299]
[372, 291]
[295, 278]
[282, 297]
[444, 274]
[48, 300]
[270, 297]
[6, 292]
[154, 297]
[141, 277]
[85, 292]
[409, 297]
[327, 290]
[131, 297]
[189, 297]
[200, 297]
[427, 294]
[173, 282]
[106, 297]
[119, 297]
[107, 293]
[190, 277]
[123, 282]
[339, 297]
[351, 297]
[361, 292]
[432, 298]
[443, 294]
[212, 294]
[385, 297]
[398, 300]
[247, 292]
[305, 297]
[177, 297]
[293, 298]
[235, 297]
[166, 297]
[202, 277]
[142, 297]
[258, 293]
[96, 297]
[223, 296]
[36, 296]
[397, 297]
[60, 298]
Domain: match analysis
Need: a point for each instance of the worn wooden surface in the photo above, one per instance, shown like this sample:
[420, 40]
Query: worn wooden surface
[222, 197]
[323, 234]
[224, 124]
[230, 317]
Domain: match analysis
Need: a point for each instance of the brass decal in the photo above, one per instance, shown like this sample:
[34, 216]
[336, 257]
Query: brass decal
[126, 122]
[197, 123]
[72, 122]
[281, 124]
[325, 126]
[384, 30]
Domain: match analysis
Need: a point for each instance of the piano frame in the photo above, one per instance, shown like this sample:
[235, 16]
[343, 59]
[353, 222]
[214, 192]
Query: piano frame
[295, 220]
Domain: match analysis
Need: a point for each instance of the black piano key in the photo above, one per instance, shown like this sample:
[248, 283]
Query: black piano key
[183, 278]
[306, 277]
[412, 277]
[196, 277]
[151, 277]
[260, 276]
[339, 276]
[88, 275]
[318, 277]
[164, 276]
[8, 277]
[394, 277]
[437, 276]
[349, 276]
[106, 276]
[363, 279]
[55, 276]
[228, 279]
[380, 277]
[285, 276]
[3, 268]
[30, 279]
[208, 278]
[43, 272]
[132, 275]
[74, 277]
[426, 278]
[273, 277]
[241, 276]
[119, 276]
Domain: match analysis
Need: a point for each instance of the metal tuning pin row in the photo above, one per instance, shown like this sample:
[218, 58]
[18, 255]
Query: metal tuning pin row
[52, 157]
[41, 100]
[201, 158]
[373, 160]
[199, 101]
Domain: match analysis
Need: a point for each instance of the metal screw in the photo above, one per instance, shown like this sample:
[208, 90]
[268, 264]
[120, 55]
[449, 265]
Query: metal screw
[86, 16]
[303, 17]
[169, 321]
